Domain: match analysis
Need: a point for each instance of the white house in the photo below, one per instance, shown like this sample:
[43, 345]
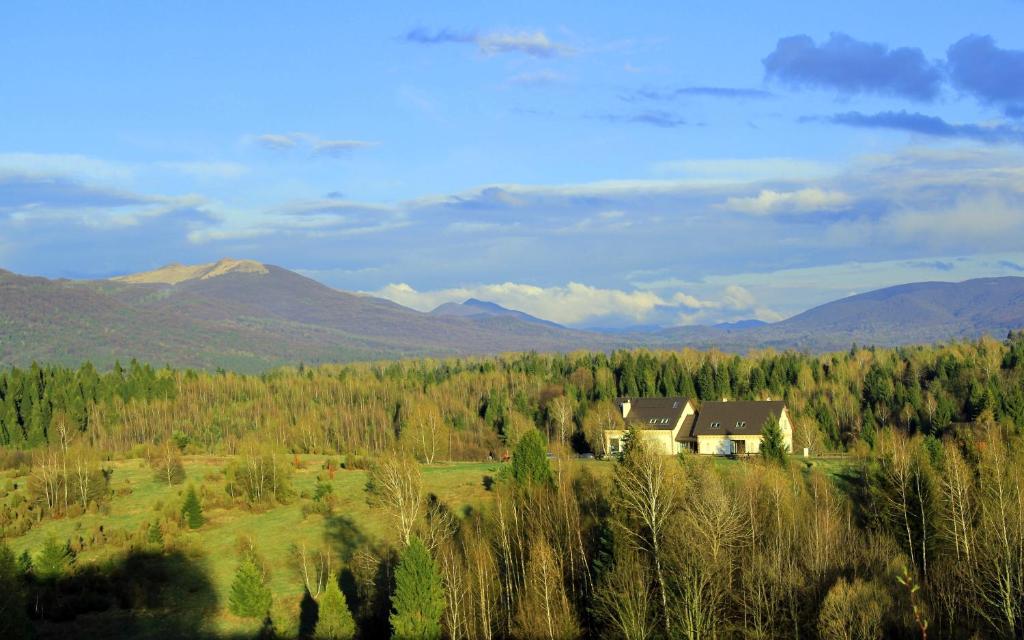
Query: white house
[721, 428]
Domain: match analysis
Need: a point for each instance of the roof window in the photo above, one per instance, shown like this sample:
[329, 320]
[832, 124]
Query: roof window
[715, 425]
[740, 424]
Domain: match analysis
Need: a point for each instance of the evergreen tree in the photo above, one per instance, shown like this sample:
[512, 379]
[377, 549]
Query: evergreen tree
[14, 622]
[335, 621]
[250, 597]
[24, 563]
[53, 560]
[418, 601]
[155, 535]
[773, 443]
[530, 461]
[191, 510]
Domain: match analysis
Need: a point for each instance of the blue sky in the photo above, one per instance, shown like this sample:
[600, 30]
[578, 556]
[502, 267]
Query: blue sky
[656, 163]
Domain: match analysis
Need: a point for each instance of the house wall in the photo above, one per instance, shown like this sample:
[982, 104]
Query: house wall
[723, 445]
[661, 440]
[787, 429]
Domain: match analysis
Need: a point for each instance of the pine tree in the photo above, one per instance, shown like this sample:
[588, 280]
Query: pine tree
[14, 622]
[155, 536]
[773, 443]
[191, 510]
[335, 621]
[530, 461]
[53, 560]
[418, 601]
[250, 597]
[25, 563]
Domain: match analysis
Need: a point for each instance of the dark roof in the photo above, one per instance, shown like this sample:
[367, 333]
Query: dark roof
[741, 418]
[686, 430]
[664, 411]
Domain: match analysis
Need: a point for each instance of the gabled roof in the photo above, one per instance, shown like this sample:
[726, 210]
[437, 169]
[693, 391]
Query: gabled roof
[654, 413]
[741, 418]
[686, 430]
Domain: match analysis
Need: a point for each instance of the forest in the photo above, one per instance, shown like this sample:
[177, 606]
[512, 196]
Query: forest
[906, 521]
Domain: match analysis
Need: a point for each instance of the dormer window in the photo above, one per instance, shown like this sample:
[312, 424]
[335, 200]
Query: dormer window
[653, 420]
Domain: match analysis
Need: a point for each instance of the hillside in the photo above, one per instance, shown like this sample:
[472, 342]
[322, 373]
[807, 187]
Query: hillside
[249, 316]
[241, 315]
[905, 314]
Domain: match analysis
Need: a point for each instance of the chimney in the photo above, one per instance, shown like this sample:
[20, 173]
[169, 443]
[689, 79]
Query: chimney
[626, 406]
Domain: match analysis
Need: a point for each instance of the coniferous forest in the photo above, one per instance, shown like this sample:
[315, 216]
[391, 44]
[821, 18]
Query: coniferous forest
[906, 520]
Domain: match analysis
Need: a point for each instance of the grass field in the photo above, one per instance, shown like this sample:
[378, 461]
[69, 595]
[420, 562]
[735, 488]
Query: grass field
[140, 499]
[274, 530]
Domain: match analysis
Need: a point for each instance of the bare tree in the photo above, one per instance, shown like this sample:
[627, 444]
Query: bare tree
[623, 602]
[647, 494]
[561, 409]
[313, 565]
[395, 484]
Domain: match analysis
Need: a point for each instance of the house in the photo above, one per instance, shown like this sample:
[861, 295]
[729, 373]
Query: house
[734, 428]
[717, 428]
[658, 420]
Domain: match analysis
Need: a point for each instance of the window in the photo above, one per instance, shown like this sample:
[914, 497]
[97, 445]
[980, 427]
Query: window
[740, 424]
[715, 425]
[675, 405]
[652, 420]
[664, 421]
[613, 445]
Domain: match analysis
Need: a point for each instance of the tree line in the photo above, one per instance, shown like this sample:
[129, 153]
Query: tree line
[465, 409]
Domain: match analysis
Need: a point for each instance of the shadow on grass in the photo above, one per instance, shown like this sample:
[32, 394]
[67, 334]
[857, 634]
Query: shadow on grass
[141, 595]
[367, 578]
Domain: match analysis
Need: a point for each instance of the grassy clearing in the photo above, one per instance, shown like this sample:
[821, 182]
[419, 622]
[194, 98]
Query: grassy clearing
[458, 484]
[215, 545]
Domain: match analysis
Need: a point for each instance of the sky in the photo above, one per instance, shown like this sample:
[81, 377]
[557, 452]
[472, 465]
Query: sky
[598, 164]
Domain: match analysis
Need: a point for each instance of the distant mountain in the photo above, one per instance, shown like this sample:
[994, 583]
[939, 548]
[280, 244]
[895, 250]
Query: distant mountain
[249, 316]
[473, 308]
[740, 324]
[242, 315]
[921, 312]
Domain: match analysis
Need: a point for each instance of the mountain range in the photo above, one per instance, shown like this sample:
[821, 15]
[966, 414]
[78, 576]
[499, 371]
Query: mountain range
[249, 316]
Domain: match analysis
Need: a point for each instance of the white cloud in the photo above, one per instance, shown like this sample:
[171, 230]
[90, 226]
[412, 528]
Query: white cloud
[83, 167]
[806, 200]
[279, 141]
[532, 43]
[578, 304]
[570, 304]
[318, 146]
